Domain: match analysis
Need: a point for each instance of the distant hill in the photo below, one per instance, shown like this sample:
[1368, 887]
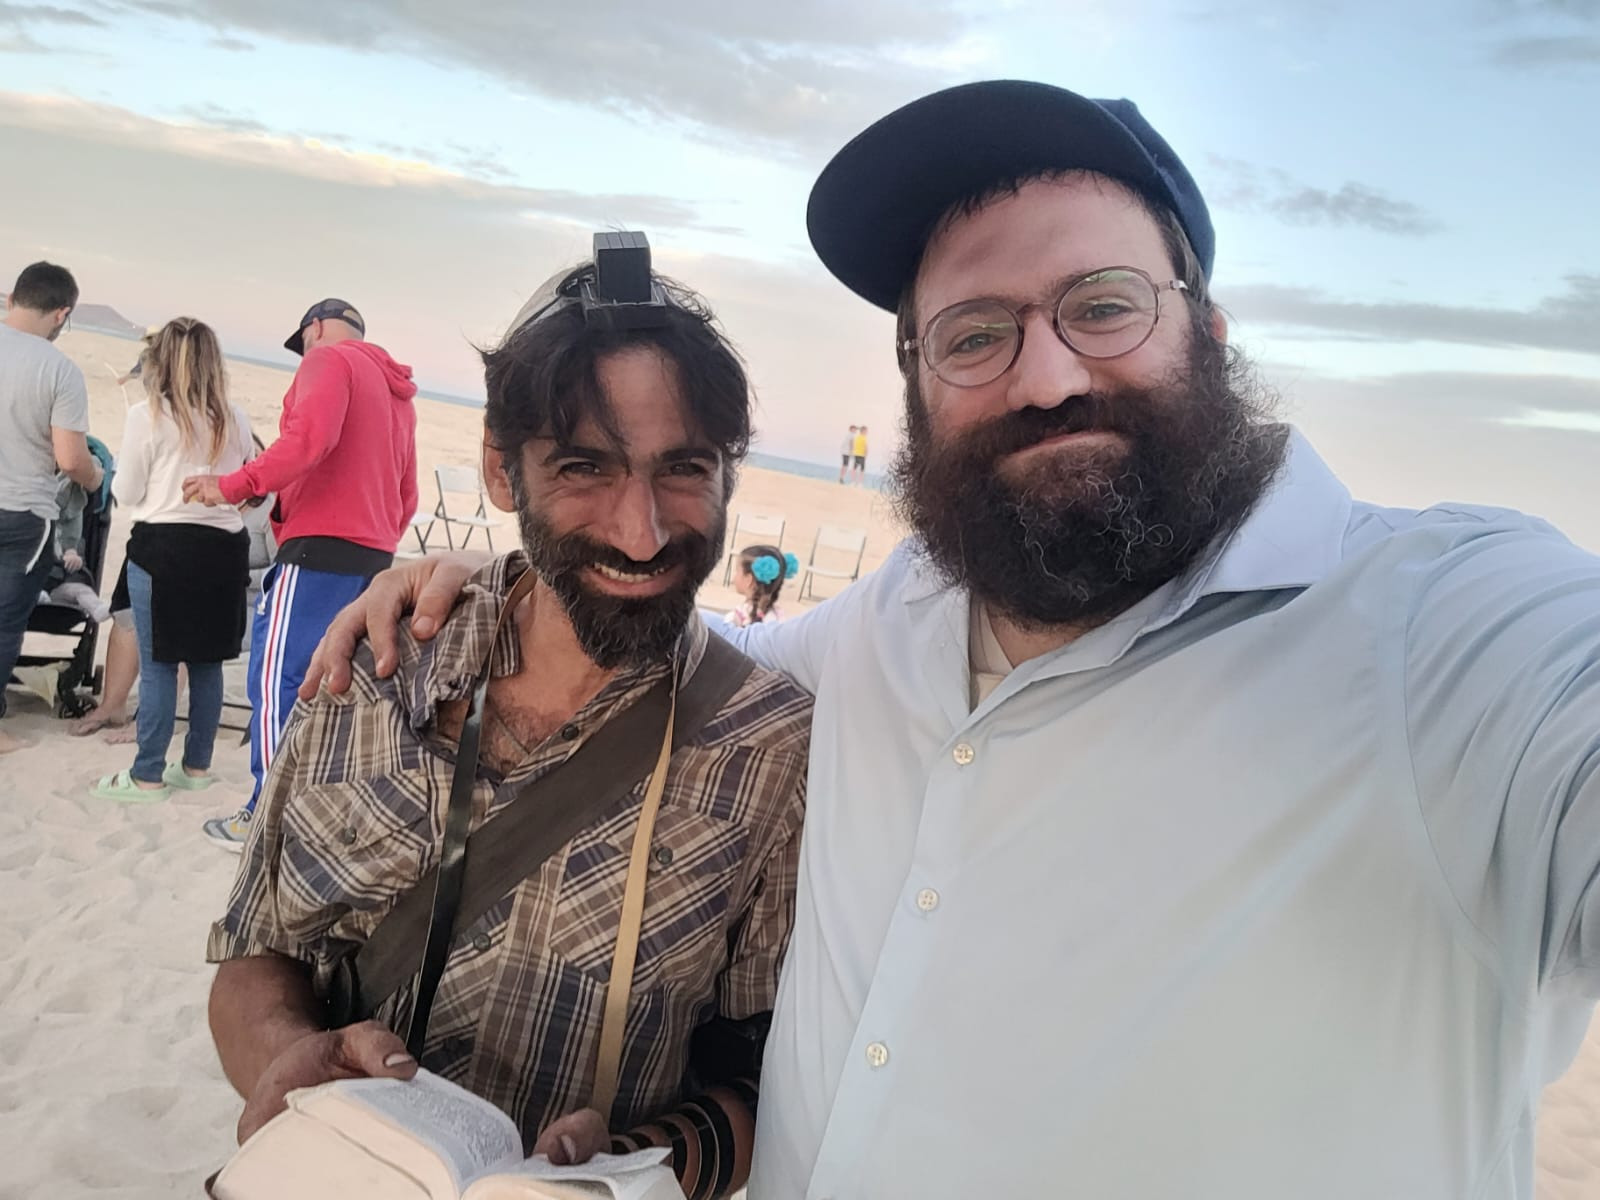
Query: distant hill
[101, 318]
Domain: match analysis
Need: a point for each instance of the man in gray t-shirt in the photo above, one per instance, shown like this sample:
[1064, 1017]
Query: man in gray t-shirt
[44, 420]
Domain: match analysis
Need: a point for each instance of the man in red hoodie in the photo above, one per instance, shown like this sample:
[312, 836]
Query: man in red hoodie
[344, 468]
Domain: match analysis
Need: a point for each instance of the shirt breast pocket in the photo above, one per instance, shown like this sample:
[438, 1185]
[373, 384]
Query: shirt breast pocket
[351, 848]
[694, 869]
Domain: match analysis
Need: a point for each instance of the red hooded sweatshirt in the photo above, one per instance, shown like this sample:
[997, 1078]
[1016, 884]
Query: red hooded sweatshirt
[345, 462]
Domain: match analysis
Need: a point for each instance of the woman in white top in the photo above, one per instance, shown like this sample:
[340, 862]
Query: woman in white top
[187, 563]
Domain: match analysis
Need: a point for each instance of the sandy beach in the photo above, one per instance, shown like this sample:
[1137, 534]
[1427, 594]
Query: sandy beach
[108, 1083]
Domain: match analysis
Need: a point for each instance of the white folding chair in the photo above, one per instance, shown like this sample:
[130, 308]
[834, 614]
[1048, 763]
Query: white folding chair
[750, 528]
[840, 544]
[422, 525]
[462, 481]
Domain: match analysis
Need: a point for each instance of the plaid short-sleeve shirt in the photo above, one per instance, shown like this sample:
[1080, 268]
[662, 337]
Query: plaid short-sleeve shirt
[352, 815]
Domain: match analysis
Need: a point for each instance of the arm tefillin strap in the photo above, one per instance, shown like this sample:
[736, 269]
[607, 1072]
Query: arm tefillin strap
[475, 872]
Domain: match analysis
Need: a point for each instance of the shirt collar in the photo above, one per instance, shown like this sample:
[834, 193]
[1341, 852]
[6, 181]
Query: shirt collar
[1292, 538]
[447, 667]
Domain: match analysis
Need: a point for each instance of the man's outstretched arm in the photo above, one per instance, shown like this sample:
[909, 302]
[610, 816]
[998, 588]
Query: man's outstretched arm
[429, 587]
[309, 434]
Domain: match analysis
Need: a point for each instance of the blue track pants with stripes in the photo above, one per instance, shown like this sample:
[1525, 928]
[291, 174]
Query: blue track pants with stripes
[292, 613]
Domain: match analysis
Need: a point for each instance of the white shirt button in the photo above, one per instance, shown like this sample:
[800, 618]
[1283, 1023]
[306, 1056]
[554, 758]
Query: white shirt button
[877, 1054]
[927, 899]
[963, 754]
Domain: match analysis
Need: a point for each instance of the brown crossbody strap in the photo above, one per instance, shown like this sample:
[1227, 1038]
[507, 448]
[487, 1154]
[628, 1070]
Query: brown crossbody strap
[544, 816]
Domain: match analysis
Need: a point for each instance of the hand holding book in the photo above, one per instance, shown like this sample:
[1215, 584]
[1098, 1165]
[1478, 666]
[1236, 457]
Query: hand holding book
[365, 1050]
[422, 1139]
[574, 1138]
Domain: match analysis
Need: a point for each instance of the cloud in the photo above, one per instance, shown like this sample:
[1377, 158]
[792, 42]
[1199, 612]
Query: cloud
[1568, 321]
[218, 134]
[797, 79]
[1547, 12]
[232, 43]
[1584, 10]
[215, 116]
[46, 14]
[1548, 51]
[1522, 441]
[1515, 399]
[15, 20]
[1270, 190]
[1552, 33]
[1554, 418]
[159, 219]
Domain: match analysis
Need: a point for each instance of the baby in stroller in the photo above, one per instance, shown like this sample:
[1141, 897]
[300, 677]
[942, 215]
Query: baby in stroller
[70, 605]
[69, 581]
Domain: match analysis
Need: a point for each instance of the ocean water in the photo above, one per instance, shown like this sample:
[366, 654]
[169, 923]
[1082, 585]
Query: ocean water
[810, 470]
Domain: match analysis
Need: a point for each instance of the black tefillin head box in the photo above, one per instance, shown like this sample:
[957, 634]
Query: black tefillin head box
[622, 266]
[622, 294]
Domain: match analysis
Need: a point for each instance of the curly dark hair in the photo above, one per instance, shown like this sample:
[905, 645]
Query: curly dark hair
[542, 379]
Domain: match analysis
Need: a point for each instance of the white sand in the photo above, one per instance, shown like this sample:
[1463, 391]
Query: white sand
[108, 1083]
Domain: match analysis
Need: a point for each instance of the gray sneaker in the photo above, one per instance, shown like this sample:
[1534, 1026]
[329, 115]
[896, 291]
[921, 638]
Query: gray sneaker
[229, 832]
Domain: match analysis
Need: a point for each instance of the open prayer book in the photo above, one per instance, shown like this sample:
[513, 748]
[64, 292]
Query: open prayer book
[424, 1139]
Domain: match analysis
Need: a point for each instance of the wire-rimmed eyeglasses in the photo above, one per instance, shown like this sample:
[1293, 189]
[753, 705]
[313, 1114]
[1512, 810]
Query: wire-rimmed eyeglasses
[1104, 314]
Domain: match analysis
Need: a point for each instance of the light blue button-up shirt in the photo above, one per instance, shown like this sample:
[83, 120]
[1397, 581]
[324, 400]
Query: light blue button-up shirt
[1280, 886]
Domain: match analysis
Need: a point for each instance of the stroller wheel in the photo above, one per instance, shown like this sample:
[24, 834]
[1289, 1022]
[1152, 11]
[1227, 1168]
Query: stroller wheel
[72, 705]
[97, 681]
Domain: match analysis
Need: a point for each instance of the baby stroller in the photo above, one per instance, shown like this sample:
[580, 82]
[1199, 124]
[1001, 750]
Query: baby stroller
[79, 680]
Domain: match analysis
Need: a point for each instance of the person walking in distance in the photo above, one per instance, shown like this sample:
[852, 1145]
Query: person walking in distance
[858, 454]
[847, 450]
[344, 468]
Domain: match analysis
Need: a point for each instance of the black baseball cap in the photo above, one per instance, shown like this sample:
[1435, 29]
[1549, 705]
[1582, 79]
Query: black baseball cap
[324, 310]
[874, 206]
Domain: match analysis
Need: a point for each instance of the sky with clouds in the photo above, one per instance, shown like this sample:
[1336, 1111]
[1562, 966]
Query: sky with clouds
[1407, 198]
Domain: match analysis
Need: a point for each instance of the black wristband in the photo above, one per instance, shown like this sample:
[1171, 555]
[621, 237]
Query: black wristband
[710, 1149]
[680, 1147]
[722, 1130]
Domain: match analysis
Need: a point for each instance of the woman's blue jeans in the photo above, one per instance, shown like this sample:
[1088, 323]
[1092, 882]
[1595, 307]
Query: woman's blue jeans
[158, 695]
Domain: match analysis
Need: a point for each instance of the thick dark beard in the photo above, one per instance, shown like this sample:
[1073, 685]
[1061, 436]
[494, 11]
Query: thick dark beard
[618, 632]
[1054, 550]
